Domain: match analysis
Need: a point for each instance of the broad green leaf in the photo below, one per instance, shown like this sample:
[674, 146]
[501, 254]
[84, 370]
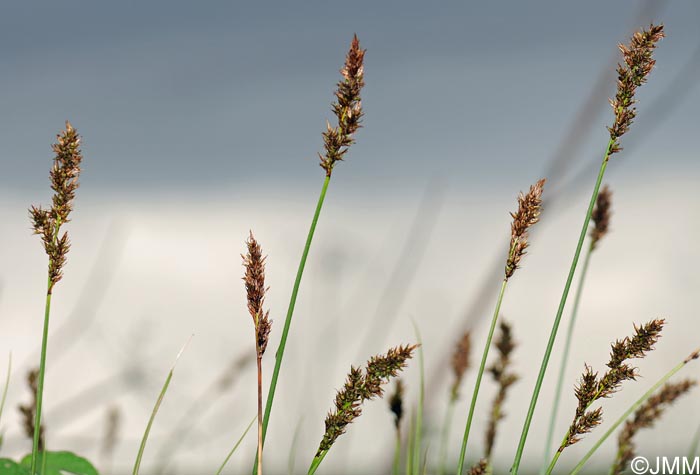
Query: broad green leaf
[61, 463]
[10, 467]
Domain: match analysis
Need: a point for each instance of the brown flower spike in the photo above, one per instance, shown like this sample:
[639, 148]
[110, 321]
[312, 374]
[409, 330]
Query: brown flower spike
[460, 362]
[64, 182]
[254, 279]
[505, 378]
[359, 387]
[529, 208]
[638, 63]
[645, 417]
[28, 411]
[591, 388]
[396, 403]
[601, 216]
[348, 109]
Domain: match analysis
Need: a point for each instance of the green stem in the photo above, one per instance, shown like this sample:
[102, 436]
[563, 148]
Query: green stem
[7, 385]
[164, 389]
[446, 429]
[230, 454]
[560, 311]
[629, 412]
[40, 382]
[316, 462]
[290, 311]
[694, 444]
[565, 356]
[479, 376]
[397, 454]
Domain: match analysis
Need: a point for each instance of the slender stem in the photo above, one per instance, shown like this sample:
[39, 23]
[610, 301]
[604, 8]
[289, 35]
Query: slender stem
[560, 311]
[397, 454]
[629, 412]
[164, 389]
[290, 311]
[421, 401]
[221, 469]
[565, 357]
[260, 415]
[7, 384]
[446, 429]
[479, 376]
[40, 382]
[694, 444]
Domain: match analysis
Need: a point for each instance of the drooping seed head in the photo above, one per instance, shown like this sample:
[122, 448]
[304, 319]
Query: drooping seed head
[460, 362]
[396, 403]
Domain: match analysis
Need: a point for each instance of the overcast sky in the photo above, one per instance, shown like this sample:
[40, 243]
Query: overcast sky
[193, 95]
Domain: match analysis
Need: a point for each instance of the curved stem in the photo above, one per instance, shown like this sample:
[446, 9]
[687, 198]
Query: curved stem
[221, 469]
[631, 409]
[290, 311]
[479, 376]
[560, 311]
[565, 357]
[397, 454]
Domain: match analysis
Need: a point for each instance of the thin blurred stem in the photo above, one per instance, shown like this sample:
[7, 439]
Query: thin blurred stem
[695, 444]
[560, 311]
[290, 311]
[565, 357]
[446, 429]
[230, 454]
[144, 439]
[7, 384]
[479, 376]
[630, 410]
[421, 401]
[396, 467]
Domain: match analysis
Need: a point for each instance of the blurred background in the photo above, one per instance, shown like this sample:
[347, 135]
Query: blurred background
[202, 121]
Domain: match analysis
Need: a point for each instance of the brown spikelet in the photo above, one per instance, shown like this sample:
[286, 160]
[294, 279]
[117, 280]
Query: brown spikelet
[396, 403]
[28, 411]
[254, 279]
[591, 388]
[347, 109]
[504, 378]
[460, 362]
[481, 468]
[64, 182]
[529, 208]
[638, 62]
[601, 216]
[644, 418]
[360, 386]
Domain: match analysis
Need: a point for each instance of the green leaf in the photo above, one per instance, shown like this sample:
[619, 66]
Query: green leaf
[60, 463]
[10, 467]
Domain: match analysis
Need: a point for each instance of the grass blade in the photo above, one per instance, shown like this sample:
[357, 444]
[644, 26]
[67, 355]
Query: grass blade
[230, 454]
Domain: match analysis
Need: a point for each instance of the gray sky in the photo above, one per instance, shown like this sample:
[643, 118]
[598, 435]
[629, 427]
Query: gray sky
[191, 95]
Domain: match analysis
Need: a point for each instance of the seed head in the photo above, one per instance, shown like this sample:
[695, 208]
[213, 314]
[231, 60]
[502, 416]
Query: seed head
[460, 362]
[360, 386]
[601, 216]
[254, 279]
[396, 403]
[529, 208]
[645, 417]
[638, 62]
[347, 109]
[64, 182]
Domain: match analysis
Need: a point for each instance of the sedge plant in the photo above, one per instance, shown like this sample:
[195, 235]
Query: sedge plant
[337, 140]
[48, 223]
[638, 62]
[528, 214]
